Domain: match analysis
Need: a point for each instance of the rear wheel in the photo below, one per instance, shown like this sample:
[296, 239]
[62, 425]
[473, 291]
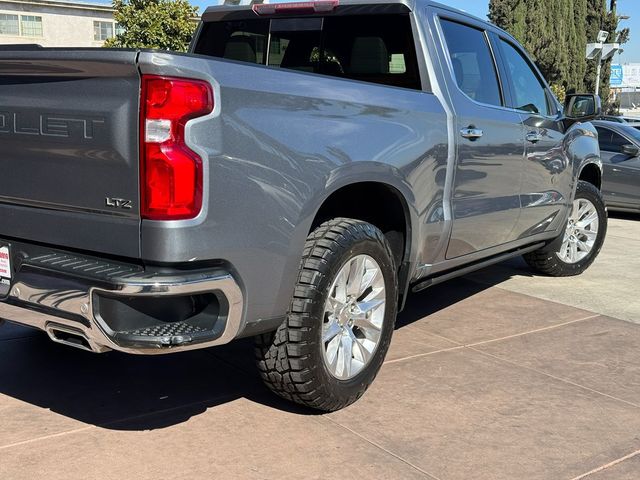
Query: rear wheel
[581, 242]
[341, 319]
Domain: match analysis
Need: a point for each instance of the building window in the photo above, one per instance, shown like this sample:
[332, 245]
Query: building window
[9, 24]
[31, 26]
[119, 29]
[102, 31]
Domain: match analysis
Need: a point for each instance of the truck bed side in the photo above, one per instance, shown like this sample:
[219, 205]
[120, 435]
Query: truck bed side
[277, 145]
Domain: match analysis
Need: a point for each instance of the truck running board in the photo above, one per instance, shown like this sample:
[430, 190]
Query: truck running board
[429, 282]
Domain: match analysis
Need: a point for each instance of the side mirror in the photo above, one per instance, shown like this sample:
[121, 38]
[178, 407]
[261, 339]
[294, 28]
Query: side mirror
[631, 150]
[582, 107]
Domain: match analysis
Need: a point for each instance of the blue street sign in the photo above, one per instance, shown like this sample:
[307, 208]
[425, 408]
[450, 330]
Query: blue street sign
[617, 76]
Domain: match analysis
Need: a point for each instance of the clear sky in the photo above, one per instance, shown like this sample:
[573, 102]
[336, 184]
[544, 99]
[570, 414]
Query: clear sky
[480, 8]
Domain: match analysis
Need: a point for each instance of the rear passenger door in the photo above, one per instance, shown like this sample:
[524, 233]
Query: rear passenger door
[490, 142]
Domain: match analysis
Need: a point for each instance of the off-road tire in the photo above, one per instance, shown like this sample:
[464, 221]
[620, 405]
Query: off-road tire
[547, 261]
[290, 360]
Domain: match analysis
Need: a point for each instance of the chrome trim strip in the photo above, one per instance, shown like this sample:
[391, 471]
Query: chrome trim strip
[58, 207]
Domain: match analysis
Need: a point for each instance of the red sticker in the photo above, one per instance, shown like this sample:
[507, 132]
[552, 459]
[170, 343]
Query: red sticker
[5, 263]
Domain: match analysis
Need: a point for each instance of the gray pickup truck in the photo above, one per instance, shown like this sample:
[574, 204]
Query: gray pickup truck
[292, 178]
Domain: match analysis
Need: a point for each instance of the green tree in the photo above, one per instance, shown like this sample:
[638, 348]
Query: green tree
[574, 78]
[608, 21]
[162, 24]
[595, 21]
[542, 26]
[556, 32]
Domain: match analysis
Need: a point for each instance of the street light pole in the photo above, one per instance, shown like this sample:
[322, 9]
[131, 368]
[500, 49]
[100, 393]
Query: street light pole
[601, 52]
[598, 73]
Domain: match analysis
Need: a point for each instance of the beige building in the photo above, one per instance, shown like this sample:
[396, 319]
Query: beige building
[55, 23]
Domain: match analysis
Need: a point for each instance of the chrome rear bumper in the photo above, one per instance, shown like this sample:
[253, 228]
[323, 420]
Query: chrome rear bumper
[61, 294]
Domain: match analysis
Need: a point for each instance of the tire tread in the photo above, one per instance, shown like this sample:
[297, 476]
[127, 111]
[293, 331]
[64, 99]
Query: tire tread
[546, 261]
[283, 357]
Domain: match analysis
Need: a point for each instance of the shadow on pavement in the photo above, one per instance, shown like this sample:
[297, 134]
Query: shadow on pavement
[625, 215]
[124, 392]
[439, 297]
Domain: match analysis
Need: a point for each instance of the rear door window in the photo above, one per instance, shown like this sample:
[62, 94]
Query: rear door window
[472, 62]
[372, 48]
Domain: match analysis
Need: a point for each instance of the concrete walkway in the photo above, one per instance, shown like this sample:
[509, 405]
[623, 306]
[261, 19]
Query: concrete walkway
[487, 378]
[611, 286]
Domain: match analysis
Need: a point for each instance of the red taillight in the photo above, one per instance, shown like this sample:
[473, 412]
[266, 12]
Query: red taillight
[171, 173]
[319, 6]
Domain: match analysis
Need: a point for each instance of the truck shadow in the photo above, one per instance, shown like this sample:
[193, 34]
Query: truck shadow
[440, 297]
[625, 216]
[122, 392]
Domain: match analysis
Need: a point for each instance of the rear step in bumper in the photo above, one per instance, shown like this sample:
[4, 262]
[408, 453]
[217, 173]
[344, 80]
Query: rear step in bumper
[69, 310]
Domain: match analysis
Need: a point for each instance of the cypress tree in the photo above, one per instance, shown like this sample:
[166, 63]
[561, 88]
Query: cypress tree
[594, 22]
[556, 32]
[511, 13]
[577, 41]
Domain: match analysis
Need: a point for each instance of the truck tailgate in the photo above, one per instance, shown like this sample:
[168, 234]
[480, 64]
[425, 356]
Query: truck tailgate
[69, 169]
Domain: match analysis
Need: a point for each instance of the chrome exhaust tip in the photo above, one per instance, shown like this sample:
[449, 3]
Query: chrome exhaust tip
[72, 337]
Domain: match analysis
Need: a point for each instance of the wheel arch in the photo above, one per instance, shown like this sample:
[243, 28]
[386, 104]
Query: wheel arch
[381, 204]
[591, 172]
[378, 203]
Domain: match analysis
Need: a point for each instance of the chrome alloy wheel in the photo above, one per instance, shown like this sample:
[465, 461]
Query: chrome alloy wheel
[581, 233]
[353, 317]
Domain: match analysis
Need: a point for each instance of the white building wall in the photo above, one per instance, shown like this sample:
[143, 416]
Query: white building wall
[631, 75]
[63, 25]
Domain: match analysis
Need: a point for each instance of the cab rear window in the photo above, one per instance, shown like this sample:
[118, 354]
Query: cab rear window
[372, 48]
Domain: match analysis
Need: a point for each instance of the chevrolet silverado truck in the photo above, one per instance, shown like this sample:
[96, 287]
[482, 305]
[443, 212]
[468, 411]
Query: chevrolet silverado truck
[292, 178]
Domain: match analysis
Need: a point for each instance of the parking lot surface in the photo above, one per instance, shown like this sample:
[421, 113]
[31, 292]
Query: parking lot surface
[609, 287]
[500, 375]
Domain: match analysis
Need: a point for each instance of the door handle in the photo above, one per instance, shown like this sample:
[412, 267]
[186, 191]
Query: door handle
[471, 133]
[533, 137]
